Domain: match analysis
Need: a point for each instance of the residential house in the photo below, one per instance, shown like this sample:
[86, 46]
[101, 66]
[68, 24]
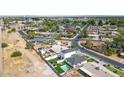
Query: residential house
[42, 50]
[93, 32]
[67, 53]
[113, 28]
[102, 33]
[76, 60]
[106, 37]
[40, 40]
[70, 29]
[94, 36]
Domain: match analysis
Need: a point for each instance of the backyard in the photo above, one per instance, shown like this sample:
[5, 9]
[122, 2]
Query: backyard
[59, 67]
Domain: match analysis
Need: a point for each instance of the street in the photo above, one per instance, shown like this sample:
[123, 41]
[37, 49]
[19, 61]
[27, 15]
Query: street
[96, 55]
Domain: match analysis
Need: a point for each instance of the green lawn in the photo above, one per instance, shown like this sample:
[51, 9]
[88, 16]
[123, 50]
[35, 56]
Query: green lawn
[53, 61]
[90, 60]
[59, 69]
[116, 71]
[56, 65]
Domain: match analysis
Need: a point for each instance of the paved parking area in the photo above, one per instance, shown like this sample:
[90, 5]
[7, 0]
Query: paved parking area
[97, 72]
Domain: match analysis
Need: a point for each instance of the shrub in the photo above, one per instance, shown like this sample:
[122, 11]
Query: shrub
[16, 54]
[85, 34]
[72, 46]
[91, 60]
[112, 51]
[29, 45]
[4, 45]
[12, 30]
[58, 37]
[89, 43]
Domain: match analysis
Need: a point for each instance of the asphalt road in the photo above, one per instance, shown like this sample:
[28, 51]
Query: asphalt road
[96, 55]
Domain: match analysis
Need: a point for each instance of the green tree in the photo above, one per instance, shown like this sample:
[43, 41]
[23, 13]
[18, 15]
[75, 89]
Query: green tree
[84, 34]
[108, 44]
[13, 30]
[89, 43]
[112, 51]
[119, 39]
[121, 22]
[72, 46]
[29, 45]
[113, 22]
[31, 34]
[100, 23]
[92, 22]
[58, 37]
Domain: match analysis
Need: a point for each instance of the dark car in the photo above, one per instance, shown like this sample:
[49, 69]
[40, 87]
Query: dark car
[79, 37]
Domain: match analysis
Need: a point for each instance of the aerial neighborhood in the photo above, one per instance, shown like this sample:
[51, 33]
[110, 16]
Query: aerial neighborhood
[66, 46]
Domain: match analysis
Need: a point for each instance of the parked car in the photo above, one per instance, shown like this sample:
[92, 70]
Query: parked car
[121, 55]
[97, 68]
[97, 61]
[104, 65]
[79, 37]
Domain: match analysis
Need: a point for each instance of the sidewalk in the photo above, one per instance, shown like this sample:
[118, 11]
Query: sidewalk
[104, 68]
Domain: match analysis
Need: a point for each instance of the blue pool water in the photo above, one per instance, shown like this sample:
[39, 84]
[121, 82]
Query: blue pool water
[66, 67]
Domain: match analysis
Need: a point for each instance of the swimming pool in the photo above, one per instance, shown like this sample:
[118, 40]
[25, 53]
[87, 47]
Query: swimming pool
[66, 67]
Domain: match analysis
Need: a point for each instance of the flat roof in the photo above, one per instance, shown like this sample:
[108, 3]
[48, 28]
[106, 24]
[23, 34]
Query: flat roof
[68, 50]
[40, 39]
[86, 71]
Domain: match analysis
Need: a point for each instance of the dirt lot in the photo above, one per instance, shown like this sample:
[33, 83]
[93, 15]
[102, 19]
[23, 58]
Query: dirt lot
[29, 64]
[0, 53]
[73, 74]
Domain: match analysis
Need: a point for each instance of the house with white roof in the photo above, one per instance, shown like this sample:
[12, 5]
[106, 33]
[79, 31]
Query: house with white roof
[42, 50]
[113, 28]
[67, 53]
[94, 36]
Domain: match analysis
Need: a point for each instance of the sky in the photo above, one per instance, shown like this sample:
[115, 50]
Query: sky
[61, 7]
